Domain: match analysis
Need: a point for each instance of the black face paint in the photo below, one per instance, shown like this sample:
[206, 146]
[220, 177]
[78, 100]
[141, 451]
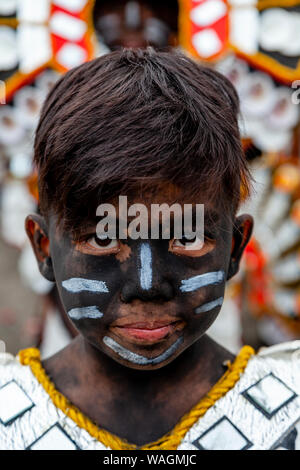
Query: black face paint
[146, 308]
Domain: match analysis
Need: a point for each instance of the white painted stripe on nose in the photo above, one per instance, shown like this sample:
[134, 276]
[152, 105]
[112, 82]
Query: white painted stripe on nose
[202, 280]
[78, 284]
[146, 266]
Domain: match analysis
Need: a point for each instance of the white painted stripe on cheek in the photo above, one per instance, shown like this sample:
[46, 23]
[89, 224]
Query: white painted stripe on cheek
[78, 284]
[85, 312]
[209, 305]
[202, 280]
[146, 266]
[137, 358]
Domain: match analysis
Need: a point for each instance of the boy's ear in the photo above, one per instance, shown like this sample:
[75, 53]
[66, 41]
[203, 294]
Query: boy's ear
[242, 231]
[37, 231]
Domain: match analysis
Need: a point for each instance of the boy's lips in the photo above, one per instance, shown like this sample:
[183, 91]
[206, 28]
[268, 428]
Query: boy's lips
[147, 332]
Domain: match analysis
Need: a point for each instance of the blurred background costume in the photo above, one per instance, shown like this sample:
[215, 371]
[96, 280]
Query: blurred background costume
[256, 44]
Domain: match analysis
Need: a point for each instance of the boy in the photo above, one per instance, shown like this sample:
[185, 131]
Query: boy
[159, 129]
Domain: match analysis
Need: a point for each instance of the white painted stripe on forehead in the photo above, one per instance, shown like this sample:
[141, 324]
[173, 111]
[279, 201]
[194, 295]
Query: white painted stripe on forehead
[209, 305]
[78, 284]
[85, 312]
[202, 280]
[146, 266]
[137, 358]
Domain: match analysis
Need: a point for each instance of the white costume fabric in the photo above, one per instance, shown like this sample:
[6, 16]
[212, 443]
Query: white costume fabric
[261, 412]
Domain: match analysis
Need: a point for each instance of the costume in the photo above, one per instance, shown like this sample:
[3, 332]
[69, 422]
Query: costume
[255, 405]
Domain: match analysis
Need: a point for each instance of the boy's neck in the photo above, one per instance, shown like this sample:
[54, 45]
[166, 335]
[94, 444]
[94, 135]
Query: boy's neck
[124, 400]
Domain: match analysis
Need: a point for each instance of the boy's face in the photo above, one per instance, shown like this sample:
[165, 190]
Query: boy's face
[142, 302]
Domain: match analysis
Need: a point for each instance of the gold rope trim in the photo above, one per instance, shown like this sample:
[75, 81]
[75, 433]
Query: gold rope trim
[169, 441]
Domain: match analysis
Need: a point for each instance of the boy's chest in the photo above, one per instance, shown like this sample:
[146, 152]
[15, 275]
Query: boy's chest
[139, 412]
[140, 418]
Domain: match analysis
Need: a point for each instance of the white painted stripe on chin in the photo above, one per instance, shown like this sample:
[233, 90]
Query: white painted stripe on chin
[137, 358]
[202, 280]
[209, 305]
[146, 266]
[85, 312]
[78, 284]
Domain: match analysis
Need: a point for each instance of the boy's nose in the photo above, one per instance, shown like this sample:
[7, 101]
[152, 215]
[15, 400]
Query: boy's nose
[146, 281]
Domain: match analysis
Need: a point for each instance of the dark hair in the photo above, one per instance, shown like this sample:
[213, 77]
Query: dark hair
[138, 117]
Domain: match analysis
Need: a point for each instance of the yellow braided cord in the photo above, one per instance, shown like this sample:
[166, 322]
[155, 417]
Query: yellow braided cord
[169, 441]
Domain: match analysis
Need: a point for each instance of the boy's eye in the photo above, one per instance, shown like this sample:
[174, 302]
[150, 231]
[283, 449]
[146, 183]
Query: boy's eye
[104, 243]
[189, 244]
[192, 247]
[98, 246]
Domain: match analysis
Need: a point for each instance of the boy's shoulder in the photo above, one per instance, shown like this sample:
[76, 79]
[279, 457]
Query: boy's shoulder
[261, 411]
[28, 417]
